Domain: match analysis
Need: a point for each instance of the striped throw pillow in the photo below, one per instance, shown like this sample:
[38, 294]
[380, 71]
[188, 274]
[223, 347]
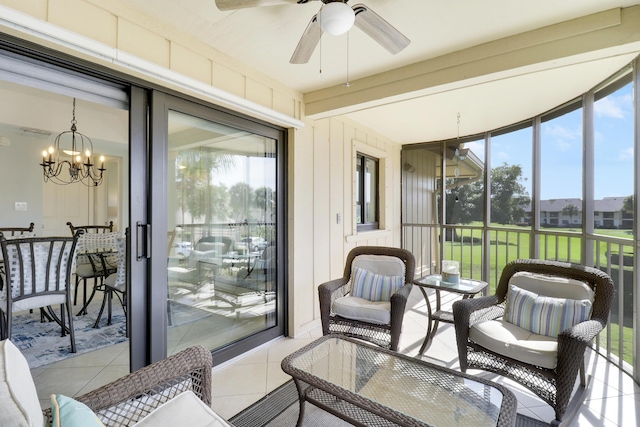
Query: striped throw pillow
[374, 287]
[544, 315]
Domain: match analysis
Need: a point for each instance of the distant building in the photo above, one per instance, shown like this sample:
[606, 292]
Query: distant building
[607, 213]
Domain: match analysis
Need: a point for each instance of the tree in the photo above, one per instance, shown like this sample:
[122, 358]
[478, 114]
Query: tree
[508, 194]
[509, 197]
[627, 205]
[240, 201]
[571, 210]
[196, 193]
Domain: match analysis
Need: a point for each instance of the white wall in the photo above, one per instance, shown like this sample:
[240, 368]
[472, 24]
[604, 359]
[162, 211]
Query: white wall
[21, 181]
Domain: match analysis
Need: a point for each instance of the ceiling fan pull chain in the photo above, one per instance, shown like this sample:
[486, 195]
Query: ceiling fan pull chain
[348, 83]
[320, 42]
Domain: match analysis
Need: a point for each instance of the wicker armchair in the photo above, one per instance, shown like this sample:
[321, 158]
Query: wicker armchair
[128, 399]
[385, 335]
[553, 384]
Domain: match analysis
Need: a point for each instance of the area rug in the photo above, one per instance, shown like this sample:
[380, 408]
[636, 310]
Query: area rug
[42, 344]
[280, 409]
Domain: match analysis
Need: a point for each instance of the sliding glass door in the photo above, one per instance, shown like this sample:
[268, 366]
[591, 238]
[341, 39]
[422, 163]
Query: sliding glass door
[223, 268]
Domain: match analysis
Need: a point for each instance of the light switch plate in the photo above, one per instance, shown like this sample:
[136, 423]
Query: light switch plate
[21, 206]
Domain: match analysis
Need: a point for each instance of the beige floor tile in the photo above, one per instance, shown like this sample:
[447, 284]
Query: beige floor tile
[105, 376]
[67, 381]
[240, 380]
[276, 376]
[286, 347]
[228, 406]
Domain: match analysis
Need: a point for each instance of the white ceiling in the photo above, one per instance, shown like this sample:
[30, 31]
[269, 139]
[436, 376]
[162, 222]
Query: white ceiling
[264, 38]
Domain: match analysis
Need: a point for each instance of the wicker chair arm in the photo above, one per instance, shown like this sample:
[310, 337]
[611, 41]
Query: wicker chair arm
[467, 309]
[400, 297]
[333, 285]
[328, 292]
[191, 366]
[584, 331]
[467, 312]
[398, 305]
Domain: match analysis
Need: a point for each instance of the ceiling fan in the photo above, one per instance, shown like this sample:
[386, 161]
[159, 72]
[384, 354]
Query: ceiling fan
[335, 17]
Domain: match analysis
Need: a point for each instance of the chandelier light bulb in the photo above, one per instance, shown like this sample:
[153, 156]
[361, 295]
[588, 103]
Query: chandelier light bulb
[336, 18]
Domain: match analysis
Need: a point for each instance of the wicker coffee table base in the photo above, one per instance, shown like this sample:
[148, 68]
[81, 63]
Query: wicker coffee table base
[368, 386]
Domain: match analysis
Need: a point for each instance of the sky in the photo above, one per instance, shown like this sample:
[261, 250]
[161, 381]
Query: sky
[561, 152]
[255, 171]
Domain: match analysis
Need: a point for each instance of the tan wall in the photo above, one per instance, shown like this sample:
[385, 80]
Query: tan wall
[320, 187]
[321, 153]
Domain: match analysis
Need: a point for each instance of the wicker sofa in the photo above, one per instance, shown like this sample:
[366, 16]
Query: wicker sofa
[173, 391]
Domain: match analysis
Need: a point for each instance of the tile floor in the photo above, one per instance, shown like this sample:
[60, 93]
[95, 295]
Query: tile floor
[613, 398]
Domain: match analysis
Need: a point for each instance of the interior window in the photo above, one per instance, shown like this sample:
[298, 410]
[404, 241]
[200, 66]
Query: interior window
[367, 199]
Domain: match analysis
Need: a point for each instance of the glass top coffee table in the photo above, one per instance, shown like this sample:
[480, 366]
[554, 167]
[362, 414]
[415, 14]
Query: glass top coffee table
[371, 386]
[465, 287]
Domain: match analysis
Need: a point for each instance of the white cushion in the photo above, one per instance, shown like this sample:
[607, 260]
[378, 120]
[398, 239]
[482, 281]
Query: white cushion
[84, 270]
[552, 286]
[18, 396]
[184, 410]
[513, 341]
[383, 265]
[361, 309]
[37, 302]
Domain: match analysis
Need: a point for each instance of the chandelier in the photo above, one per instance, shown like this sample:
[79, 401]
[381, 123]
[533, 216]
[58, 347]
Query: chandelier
[79, 167]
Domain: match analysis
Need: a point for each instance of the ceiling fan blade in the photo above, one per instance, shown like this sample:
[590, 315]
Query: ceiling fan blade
[379, 29]
[307, 43]
[242, 4]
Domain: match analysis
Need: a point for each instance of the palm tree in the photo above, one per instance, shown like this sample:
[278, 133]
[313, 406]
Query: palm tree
[195, 167]
[571, 210]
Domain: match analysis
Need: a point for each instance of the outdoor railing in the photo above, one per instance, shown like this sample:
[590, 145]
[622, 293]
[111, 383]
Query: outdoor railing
[473, 246]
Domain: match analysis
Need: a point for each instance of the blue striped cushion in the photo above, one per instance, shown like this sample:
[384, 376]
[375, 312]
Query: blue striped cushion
[374, 287]
[544, 315]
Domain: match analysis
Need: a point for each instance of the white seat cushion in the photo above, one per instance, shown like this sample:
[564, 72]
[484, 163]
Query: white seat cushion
[355, 308]
[18, 396]
[515, 342]
[183, 410]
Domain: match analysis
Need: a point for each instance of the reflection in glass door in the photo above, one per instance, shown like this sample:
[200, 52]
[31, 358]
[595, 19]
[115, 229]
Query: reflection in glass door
[221, 234]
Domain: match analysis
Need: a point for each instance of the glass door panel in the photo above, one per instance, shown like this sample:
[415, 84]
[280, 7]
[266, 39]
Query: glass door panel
[221, 233]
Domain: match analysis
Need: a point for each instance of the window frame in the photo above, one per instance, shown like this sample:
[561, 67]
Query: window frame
[361, 148]
[366, 224]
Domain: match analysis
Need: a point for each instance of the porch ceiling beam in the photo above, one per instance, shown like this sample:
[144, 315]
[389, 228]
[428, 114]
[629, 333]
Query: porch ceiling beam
[605, 34]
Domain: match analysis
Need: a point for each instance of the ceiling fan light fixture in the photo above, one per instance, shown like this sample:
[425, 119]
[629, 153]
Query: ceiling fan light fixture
[336, 18]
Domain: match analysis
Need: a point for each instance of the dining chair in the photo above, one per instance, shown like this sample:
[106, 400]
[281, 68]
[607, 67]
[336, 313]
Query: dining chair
[97, 258]
[38, 275]
[17, 231]
[115, 284]
[91, 228]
